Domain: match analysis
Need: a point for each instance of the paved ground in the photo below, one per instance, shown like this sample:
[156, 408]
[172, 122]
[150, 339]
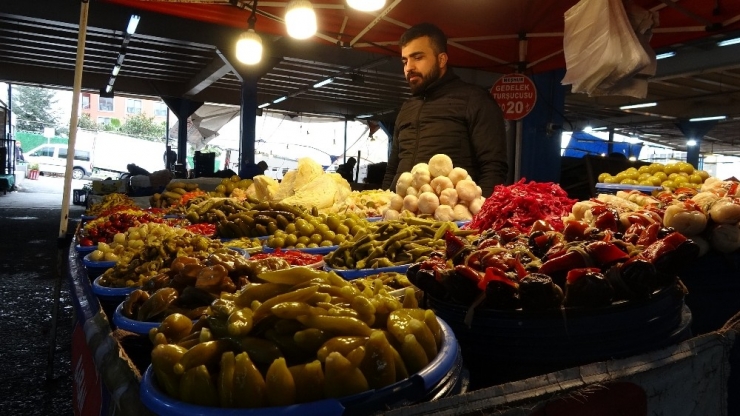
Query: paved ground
[29, 219]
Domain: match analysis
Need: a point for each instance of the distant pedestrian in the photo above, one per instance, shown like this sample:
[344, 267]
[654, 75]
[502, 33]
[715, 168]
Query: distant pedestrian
[170, 158]
[19, 152]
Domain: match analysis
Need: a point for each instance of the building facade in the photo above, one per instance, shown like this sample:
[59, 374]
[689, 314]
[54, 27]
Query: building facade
[102, 110]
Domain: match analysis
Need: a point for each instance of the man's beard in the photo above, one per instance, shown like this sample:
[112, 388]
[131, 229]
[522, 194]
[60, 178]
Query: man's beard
[426, 80]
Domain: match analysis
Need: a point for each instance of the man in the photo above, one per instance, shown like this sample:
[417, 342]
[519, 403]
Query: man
[250, 170]
[347, 170]
[445, 115]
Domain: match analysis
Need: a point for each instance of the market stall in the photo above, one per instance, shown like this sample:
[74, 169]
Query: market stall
[304, 294]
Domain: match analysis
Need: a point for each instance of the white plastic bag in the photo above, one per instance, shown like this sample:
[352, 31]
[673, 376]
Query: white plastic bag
[602, 52]
[642, 22]
[589, 50]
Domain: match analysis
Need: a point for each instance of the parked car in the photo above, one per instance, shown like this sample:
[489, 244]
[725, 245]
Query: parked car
[52, 158]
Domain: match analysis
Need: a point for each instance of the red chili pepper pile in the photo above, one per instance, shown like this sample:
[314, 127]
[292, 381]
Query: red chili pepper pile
[203, 228]
[293, 257]
[102, 229]
[521, 204]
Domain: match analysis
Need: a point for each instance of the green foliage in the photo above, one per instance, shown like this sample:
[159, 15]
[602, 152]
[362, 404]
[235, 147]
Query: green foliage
[115, 125]
[31, 140]
[86, 122]
[143, 126]
[33, 105]
[212, 149]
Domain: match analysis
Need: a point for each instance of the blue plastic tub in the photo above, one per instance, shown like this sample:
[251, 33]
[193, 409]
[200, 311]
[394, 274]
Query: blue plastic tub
[96, 268]
[351, 274]
[239, 250]
[312, 250]
[85, 249]
[111, 292]
[437, 378]
[90, 264]
[132, 325]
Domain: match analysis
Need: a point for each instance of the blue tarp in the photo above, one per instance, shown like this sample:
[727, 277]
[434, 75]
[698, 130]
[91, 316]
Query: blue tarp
[582, 144]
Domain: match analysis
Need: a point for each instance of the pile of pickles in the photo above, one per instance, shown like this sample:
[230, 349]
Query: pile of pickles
[294, 336]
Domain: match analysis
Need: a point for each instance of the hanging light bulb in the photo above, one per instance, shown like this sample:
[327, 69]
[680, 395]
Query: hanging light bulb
[300, 19]
[366, 5]
[249, 47]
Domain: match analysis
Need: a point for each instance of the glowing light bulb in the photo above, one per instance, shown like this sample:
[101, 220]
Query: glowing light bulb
[300, 19]
[366, 5]
[249, 47]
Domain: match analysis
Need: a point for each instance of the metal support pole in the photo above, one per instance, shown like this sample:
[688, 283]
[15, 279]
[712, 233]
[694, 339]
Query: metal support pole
[248, 127]
[61, 240]
[519, 124]
[344, 152]
[518, 151]
[610, 143]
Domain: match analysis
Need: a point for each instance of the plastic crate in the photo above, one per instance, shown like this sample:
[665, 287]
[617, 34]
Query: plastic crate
[612, 188]
[79, 197]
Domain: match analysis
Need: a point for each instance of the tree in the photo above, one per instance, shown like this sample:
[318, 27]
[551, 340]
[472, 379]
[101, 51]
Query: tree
[86, 122]
[212, 149]
[33, 108]
[114, 125]
[141, 125]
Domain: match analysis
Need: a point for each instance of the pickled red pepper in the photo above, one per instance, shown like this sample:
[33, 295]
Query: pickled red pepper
[293, 257]
[521, 204]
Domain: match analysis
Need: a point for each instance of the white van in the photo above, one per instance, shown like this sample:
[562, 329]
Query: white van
[52, 158]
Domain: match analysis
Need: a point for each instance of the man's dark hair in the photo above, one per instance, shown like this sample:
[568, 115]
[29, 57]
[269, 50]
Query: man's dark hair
[351, 161]
[435, 34]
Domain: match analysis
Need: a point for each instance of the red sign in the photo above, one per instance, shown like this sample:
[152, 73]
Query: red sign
[87, 394]
[515, 94]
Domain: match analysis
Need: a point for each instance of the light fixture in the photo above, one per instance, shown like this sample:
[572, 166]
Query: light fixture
[264, 105]
[130, 29]
[691, 142]
[300, 19]
[132, 23]
[708, 118]
[280, 100]
[364, 116]
[598, 128]
[588, 129]
[249, 45]
[728, 42]
[366, 5]
[642, 105]
[632, 158]
[603, 155]
[324, 82]
[664, 55]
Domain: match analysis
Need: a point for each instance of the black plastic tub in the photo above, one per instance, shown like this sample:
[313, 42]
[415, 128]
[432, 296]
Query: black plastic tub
[713, 282]
[502, 346]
